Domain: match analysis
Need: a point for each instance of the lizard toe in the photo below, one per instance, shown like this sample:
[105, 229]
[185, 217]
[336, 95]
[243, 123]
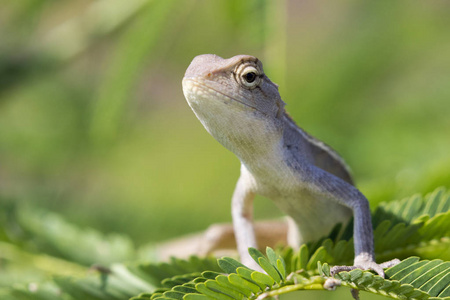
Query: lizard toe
[390, 263]
[366, 265]
[371, 265]
[336, 269]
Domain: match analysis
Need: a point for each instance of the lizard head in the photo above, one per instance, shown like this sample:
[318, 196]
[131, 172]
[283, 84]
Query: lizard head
[233, 98]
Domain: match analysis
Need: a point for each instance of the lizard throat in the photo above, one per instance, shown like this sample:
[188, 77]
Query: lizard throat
[240, 127]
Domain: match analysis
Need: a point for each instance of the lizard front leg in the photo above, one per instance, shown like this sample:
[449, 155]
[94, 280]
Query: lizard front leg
[334, 188]
[242, 214]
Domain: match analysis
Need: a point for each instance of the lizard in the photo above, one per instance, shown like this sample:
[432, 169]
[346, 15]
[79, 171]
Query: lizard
[242, 109]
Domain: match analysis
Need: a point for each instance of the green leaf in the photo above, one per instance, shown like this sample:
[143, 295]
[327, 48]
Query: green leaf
[239, 281]
[229, 265]
[50, 233]
[215, 286]
[397, 268]
[432, 273]
[325, 269]
[174, 295]
[433, 281]
[402, 273]
[262, 278]
[320, 255]
[303, 257]
[442, 284]
[197, 297]
[272, 256]
[210, 274]
[223, 281]
[445, 293]
[276, 261]
[423, 270]
[247, 275]
[270, 270]
[255, 254]
[184, 289]
[281, 267]
[202, 288]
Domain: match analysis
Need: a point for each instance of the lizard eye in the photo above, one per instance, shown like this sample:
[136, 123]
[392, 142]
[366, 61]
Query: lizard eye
[249, 76]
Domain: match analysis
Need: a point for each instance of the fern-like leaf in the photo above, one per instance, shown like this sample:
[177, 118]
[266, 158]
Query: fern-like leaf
[43, 231]
[411, 279]
[415, 226]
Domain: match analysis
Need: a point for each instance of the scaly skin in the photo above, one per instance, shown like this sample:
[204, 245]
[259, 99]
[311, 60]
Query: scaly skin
[242, 109]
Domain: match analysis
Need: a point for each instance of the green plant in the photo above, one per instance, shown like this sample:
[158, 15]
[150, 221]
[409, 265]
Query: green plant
[409, 228]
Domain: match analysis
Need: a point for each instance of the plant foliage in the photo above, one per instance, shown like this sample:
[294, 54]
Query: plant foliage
[406, 229]
[47, 232]
[411, 279]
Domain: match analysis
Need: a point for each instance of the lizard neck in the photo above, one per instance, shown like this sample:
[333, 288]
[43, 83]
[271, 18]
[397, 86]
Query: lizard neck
[254, 141]
[264, 154]
[250, 134]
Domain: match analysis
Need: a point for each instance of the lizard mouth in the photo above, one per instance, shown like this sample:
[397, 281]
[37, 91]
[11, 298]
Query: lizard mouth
[192, 83]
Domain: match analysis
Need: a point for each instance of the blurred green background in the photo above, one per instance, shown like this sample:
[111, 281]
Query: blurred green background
[94, 125]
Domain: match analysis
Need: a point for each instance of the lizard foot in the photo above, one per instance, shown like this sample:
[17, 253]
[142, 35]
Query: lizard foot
[366, 265]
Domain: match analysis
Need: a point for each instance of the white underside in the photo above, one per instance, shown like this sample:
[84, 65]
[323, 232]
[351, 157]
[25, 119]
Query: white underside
[310, 212]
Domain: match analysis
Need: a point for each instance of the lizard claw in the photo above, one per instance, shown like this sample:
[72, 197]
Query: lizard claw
[366, 265]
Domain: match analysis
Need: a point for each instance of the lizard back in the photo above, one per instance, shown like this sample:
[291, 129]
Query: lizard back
[320, 154]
